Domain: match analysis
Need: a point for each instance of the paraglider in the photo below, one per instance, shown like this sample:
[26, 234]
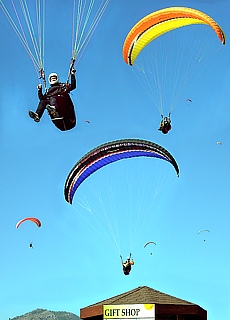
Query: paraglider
[161, 70]
[165, 125]
[31, 219]
[58, 103]
[30, 29]
[219, 143]
[34, 220]
[134, 170]
[127, 265]
[111, 152]
[204, 231]
[148, 243]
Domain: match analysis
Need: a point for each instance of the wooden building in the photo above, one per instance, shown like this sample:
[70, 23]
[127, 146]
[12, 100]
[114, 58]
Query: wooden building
[166, 307]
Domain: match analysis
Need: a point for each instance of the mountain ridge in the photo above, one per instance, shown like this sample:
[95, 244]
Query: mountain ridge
[43, 314]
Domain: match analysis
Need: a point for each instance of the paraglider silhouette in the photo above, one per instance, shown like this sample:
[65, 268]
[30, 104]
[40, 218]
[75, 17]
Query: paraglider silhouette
[204, 230]
[31, 219]
[148, 243]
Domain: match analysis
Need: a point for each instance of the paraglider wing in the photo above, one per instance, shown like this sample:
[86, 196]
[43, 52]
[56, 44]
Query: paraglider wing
[35, 220]
[111, 152]
[150, 242]
[205, 230]
[160, 22]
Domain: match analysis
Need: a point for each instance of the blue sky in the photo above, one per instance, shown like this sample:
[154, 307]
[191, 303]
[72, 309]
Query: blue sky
[72, 265]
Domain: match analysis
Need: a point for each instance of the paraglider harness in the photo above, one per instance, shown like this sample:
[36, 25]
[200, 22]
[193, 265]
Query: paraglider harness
[60, 92]
[127, 267]
[165, 125]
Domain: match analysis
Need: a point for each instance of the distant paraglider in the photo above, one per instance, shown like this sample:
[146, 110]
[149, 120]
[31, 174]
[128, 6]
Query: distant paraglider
[219, 143]
[31, 219]
[149, 243]
[204, 231]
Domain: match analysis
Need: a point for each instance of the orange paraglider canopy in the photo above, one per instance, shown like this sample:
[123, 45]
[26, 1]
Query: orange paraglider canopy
[159, 22]
[35, 220]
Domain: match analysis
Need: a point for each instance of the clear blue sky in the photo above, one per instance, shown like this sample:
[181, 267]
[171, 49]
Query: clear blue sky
[71, 264]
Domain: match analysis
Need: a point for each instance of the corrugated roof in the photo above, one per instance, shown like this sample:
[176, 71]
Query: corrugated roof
[143, 295]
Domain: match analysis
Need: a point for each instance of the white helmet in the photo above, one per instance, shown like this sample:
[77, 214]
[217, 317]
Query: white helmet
[55, 79]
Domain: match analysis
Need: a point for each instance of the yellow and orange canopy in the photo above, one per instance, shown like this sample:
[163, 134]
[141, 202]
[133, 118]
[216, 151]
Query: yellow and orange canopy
[160, 22]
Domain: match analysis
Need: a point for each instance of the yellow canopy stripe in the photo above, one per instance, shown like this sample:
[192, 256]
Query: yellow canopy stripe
[160, 22]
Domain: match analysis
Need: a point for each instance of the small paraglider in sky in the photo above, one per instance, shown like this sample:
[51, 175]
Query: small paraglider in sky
[189, 100]
[148, 243]
[219, 143]
[31, 219]
[204, 233]
[87, 121]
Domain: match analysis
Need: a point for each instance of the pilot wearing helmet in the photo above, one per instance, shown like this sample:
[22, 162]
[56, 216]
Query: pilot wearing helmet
[57, 102]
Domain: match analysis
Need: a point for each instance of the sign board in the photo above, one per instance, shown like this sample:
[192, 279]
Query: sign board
[129, 311]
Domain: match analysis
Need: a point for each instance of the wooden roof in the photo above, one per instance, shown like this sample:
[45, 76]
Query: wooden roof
[143, 295]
